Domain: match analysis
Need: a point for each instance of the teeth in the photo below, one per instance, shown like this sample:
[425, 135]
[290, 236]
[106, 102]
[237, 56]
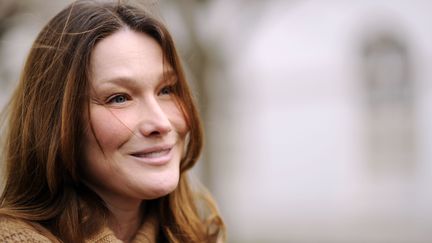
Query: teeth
[154, 154]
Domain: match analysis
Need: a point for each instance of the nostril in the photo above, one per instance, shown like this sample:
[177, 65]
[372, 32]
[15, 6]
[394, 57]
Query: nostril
[155, 124]
[155, 133]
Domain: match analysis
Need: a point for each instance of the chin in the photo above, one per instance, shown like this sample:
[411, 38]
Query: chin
[161, 190]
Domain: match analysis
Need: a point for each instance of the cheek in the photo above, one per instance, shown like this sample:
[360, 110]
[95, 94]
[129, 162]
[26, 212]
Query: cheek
[178, 120]
[109, 129]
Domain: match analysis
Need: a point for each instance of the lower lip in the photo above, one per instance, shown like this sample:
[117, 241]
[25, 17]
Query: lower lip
[163, 159]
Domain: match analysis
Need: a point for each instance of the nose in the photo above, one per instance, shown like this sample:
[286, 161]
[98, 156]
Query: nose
[154, 120]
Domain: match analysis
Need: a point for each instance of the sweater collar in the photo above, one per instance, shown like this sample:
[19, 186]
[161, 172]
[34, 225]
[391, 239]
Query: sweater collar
[146, 234]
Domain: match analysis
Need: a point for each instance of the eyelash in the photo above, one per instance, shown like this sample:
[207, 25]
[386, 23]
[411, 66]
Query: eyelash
[168, 88]
[112, 99]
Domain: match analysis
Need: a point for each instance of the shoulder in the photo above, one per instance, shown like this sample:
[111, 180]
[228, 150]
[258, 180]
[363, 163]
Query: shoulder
[14, 231]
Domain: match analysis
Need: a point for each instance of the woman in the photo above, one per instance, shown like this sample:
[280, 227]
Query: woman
[102, 130]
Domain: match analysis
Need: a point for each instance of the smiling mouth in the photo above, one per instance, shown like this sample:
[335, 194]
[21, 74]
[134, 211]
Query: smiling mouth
[153, 154]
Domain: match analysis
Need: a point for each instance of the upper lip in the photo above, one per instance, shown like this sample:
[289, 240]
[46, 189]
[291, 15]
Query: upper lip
[151, 149]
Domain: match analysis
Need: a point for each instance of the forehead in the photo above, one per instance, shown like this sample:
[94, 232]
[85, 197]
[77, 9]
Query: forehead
[127, 53]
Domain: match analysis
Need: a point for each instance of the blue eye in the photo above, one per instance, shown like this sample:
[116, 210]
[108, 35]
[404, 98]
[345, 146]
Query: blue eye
[118, 99]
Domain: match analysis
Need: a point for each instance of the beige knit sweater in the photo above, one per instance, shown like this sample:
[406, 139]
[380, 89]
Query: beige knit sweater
[15, 231]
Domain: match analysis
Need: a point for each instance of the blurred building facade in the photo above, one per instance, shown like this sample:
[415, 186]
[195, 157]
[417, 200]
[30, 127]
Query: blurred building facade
[317, 113]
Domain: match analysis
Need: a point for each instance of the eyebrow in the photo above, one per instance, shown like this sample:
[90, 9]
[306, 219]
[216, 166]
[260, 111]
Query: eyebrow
[132, 82]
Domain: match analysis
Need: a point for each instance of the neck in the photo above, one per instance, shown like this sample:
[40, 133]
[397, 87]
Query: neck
[126, 214]
[124, 222]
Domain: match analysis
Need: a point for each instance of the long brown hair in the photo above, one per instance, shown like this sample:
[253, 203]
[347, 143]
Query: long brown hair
[43, 183]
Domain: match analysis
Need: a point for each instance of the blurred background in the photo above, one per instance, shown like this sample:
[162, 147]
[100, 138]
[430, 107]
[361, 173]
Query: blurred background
[318, 113]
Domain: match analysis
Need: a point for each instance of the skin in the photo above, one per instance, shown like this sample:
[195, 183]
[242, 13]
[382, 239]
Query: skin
[138, 138]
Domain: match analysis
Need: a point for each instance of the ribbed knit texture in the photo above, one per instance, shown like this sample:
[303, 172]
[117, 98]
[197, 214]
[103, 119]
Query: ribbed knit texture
[14, 231]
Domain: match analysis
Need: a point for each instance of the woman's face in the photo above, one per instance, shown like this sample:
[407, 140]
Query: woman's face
[139, 130]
